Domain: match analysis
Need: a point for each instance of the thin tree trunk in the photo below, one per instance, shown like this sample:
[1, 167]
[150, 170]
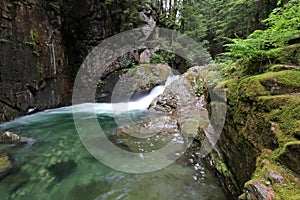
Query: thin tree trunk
[257, 22]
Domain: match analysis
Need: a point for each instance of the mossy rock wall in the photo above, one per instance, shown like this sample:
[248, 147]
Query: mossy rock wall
[261, 134]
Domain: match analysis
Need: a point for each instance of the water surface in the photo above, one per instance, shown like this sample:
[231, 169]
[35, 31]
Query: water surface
[58, 166]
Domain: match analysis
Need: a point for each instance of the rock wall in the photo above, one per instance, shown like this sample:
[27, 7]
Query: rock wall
[259, 144]
[33, 64]
[43, 44]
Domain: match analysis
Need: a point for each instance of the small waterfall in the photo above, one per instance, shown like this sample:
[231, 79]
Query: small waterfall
[109, 108]
[145, 102]
[141, 104]
[100, 108]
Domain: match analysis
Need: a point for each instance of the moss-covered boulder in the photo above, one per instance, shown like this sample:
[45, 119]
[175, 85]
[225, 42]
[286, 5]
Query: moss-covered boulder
[290, 156]
[260, 143]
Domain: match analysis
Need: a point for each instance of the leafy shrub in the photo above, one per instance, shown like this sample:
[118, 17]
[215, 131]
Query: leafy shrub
[156, 58]
[259, 48]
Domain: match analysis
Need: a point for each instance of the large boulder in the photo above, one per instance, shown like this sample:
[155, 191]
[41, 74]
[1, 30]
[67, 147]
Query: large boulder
[182, 113]
[260, 138]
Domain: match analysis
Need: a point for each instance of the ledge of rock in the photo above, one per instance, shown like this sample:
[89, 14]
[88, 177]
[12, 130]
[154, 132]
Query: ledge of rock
[12, 138]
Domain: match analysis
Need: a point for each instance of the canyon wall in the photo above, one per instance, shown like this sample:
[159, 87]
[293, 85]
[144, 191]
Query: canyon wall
[33, 66]
[258, 150]
[43, 44]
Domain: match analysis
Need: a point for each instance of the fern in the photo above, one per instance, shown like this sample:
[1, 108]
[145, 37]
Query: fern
[259, 48]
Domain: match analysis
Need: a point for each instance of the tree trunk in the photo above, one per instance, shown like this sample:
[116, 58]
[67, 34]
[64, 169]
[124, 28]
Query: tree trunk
[257, 22]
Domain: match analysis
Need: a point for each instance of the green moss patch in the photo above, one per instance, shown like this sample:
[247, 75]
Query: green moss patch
[289, 156]
[271, 83]
[264, 111]
[282, 180]
[288, 117]
[269, 103]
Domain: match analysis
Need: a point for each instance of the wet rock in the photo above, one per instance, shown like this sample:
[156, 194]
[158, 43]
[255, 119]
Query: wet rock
[259, 191]
[276, 178]
[180, 100]
[12, 138]
[5, 165]
[149, 128]
[145, 56]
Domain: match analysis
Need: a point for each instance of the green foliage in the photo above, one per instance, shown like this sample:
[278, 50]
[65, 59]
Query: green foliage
[34, 36]
[194, 22]
[36, 53]
[259, 48]
[284, 23]
[109, 2]
[55, 6]
[35, 41]
[199, 88]
[3, 40]
[267, 182]
[156, 58]
[151, 79]
[31, 44]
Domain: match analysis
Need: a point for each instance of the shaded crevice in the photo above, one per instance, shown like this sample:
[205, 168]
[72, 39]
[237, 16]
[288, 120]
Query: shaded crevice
[11, 106]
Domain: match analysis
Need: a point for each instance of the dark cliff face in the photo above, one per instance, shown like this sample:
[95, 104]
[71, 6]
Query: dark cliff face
[33, 63]
[43, 44]
[86, 23]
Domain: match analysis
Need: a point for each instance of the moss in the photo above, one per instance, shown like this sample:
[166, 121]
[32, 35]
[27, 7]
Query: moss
[286, 186]
[222, 168]
[289, 156]
[231, 89]
[288, 116]
[286, 81]
[250, 88]
[269, 103]
[242, 197]
[280, 67]
[288, 54]
[286, 78]
[263, 113]
[3, 40]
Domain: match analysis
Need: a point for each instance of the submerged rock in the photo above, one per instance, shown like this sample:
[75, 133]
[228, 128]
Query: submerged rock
[62, 169]
[147, 135]
[5, 165]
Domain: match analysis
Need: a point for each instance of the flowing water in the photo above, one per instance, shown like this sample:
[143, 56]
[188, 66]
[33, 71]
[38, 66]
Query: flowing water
[57, 166]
